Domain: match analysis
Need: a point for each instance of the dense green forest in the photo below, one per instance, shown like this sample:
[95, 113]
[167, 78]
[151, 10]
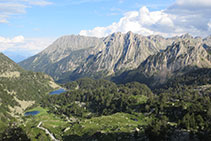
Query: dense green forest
[180, 106]
[100, 109]
[99, 97]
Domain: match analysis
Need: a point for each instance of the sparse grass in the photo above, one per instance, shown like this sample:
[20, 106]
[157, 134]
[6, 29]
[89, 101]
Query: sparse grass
[119, 122]
[49, 121]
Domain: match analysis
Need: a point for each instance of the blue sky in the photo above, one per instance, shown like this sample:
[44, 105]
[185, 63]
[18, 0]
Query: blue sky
[29, 26]
[61, 17]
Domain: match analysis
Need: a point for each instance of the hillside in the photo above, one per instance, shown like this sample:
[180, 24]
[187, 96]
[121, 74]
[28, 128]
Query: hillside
[20, 89]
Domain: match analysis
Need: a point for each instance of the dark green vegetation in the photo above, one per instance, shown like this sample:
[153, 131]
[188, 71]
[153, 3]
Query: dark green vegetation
[100, 109]
[100, 97]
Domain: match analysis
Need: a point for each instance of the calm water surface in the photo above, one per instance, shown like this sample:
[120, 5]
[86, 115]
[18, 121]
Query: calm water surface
[32, 113]
[59, 91]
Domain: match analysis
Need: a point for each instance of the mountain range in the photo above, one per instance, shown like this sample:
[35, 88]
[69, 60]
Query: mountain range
[73, 57]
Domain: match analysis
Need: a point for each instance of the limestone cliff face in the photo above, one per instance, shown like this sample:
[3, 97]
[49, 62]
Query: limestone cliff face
[207, 44]
[123, 52]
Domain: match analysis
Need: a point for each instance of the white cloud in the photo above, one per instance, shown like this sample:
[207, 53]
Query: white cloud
[184, 16]
[142, 22]
[21, 44]
[17, 39]
[39, 2]
[191, 3]
[10, 8]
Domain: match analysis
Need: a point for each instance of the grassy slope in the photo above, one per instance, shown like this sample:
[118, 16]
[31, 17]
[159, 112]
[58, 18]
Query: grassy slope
[50, 121]
[119, 122]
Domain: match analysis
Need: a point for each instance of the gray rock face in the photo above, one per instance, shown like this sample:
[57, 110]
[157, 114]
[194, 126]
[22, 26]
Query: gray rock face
[207, 44]
[63, 46]
[72, 56]
[183, 53]
[123, 52]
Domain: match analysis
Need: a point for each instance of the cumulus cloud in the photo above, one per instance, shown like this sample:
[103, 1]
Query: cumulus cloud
[21, 44]
[10, 8]
[184, 16]
[142, 22]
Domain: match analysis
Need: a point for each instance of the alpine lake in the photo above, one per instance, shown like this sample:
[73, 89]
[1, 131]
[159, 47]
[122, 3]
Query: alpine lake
[33, 113]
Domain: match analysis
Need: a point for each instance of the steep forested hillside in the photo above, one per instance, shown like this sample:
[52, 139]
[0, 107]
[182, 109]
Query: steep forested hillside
[20, 89]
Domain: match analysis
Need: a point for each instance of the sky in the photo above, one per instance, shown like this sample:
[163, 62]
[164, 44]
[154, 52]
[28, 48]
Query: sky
[29, 26]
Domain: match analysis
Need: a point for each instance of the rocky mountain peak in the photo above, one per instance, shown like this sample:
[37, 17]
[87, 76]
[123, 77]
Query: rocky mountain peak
[62, 47]
[130, 34]
[186, 36]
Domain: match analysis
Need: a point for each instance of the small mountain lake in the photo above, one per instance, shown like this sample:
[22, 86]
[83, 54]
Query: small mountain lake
[32, 113]
[59, 91]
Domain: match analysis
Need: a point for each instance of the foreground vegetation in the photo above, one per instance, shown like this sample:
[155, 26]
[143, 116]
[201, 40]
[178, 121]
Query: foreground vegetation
[100, 109]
